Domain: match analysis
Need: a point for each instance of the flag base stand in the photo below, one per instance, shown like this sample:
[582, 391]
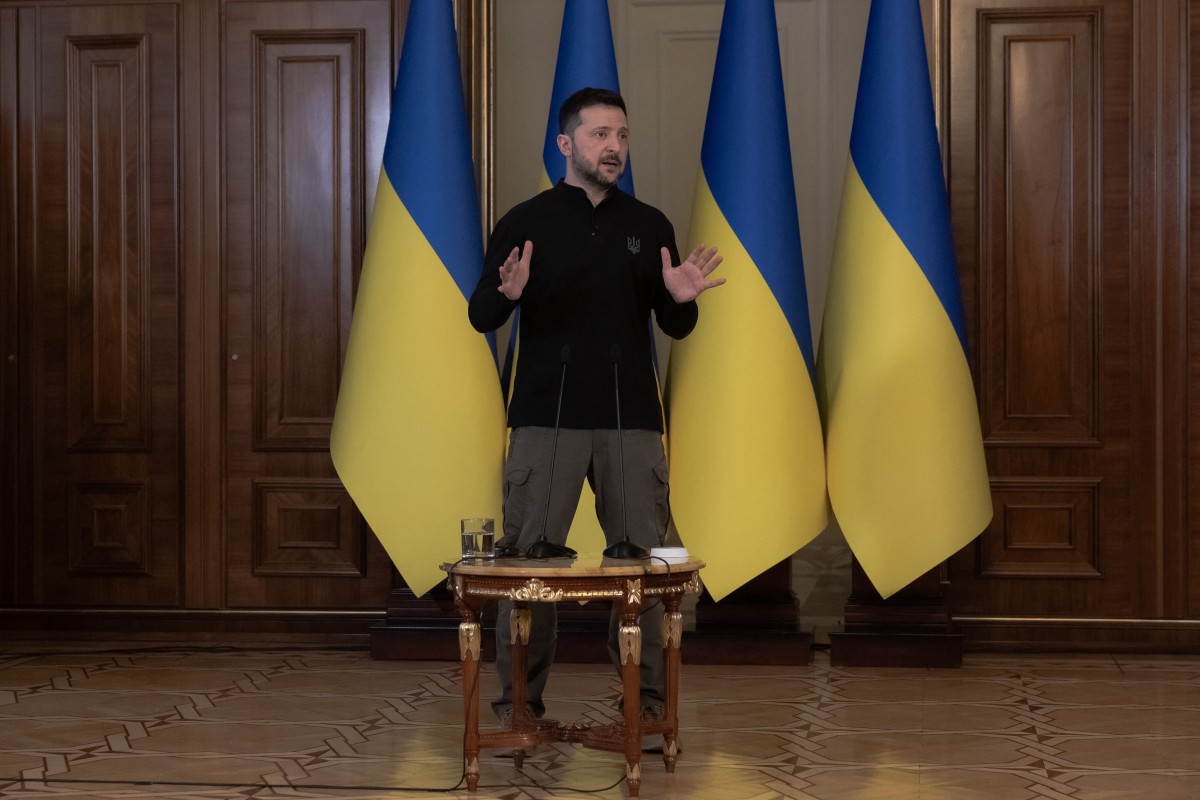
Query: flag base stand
[754, 624]
[912, 628]
[417, 628]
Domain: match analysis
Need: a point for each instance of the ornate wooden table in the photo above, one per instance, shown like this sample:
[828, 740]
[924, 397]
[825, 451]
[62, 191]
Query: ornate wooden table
[626, 584]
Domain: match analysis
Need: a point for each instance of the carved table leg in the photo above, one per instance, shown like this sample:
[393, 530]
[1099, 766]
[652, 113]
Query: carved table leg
[468, 647]
[631, 680]
[519, 623]
[672, 639]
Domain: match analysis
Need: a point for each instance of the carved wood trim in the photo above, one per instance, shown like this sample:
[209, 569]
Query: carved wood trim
[108, 286]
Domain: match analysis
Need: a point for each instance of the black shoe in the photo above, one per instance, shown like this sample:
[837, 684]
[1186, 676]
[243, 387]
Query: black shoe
[506, 715]
[653, 713]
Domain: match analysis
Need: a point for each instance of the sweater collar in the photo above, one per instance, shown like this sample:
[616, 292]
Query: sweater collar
[568, 190]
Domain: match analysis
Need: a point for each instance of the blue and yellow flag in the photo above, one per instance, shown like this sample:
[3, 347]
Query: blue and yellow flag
[418, 436]
[747, 464]
[585, 58]
[906, 471]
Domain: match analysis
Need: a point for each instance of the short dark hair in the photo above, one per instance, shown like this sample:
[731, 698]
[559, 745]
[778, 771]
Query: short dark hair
[568, 113]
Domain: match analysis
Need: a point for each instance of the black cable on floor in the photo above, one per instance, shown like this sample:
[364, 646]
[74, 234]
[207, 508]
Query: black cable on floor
[321, 786]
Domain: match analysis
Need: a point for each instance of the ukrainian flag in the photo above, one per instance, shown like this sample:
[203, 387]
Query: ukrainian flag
[907, 478]
[585, 58]
[418, 435]
[747, 463]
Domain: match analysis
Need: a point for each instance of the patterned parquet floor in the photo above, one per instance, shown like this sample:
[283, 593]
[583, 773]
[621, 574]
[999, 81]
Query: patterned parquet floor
[197, 724]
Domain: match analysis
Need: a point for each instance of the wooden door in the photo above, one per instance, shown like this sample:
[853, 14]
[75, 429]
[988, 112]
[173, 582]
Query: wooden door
[1042, 136]
[305, 115]
[99, 467]
[1185, 293]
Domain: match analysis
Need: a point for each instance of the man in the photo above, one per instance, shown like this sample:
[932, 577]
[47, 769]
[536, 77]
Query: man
[587, 264]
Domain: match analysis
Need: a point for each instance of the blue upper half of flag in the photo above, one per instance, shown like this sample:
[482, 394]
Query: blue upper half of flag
[428, 152]
[585, 58]
[894, 146]
[747, 159]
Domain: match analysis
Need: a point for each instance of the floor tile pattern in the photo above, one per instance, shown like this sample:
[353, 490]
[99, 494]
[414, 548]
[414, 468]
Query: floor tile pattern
[209, 723]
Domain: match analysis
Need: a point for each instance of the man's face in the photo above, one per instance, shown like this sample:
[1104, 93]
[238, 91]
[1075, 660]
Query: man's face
[597, 149]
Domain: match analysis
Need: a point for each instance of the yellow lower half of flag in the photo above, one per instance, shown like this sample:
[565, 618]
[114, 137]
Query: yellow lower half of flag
[418, 437]
[907, 478]
[747, 461]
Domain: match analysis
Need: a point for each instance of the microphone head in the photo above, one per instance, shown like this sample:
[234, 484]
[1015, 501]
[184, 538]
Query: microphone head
[614, 353]
[564, 355]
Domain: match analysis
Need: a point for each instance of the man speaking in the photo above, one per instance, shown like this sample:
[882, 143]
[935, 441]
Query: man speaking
[587, 264]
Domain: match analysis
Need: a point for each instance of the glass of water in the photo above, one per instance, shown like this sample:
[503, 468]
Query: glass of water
[478, 540]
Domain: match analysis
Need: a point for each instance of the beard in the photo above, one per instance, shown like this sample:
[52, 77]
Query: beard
[590, 173]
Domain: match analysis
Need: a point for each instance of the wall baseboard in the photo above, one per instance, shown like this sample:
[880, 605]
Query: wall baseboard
[1065, 634]
[274, 627]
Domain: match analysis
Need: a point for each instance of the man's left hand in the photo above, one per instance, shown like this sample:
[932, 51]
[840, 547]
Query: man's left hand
[687, 281]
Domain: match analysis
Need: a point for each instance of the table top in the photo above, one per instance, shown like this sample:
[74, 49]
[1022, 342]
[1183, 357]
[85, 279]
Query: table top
[584, 566]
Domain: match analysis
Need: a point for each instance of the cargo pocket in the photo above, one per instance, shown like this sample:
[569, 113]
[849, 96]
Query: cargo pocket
[516, 501]
[662, 500]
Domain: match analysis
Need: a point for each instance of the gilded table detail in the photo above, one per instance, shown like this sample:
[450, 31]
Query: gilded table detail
[672, 629]
[630, 639]
[633, 591]
[519, 625]
[468, 641]
[536, 590]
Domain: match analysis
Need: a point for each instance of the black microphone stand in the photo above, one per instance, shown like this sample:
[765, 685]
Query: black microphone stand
[543, 548]
[623, 548]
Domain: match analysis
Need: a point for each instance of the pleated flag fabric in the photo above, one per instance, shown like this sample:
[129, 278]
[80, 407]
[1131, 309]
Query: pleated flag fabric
[907, 478]
[585, 58]
[418, 435]
[747, 460]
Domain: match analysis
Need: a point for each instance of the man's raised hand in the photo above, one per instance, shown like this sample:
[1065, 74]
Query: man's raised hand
[687, 281]
[514, 272]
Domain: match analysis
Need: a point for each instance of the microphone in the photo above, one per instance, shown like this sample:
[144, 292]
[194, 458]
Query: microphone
[623, 548]
[543, 548]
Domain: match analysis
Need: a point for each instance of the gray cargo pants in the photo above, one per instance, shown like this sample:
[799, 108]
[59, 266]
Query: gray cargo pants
[593, 455]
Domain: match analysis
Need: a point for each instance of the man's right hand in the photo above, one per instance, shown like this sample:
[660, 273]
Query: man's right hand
[514, 272]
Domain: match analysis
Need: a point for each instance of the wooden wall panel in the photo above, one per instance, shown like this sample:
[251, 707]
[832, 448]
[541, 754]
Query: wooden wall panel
[1040, 172]
[103, 325]
[1187, 427]
[1040, 146]
[1043, 528]
[307, 528]
[303, 127]
[109, 529]
[11, 556]
[106, 320]
[308, 204]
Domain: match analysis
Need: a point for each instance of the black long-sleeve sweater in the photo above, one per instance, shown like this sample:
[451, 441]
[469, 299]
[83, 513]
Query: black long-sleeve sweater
[594, 278]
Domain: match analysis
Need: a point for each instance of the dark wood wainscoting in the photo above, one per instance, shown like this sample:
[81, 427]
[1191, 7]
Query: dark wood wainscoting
[186, 189]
